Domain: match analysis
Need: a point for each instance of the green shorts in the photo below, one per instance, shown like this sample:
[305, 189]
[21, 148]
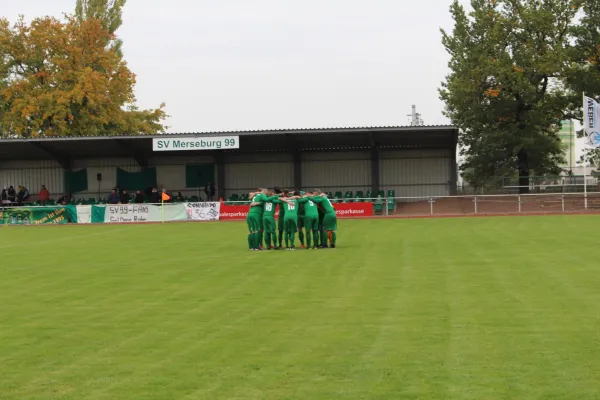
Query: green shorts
[269, 224]
[291, 225]
[253, 221]
[311, 223]
[330, 222]
[300, 222]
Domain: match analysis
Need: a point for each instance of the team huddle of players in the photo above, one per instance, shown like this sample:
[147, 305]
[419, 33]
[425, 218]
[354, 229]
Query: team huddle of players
[298, 211]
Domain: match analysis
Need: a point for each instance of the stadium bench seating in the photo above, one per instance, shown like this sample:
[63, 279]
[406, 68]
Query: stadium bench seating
[360, 196]
[369, 196]
[378, 205]
[348, 196]
[338, 196]
[391, 204]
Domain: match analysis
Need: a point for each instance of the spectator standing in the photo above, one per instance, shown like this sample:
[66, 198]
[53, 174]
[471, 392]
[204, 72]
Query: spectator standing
[209, 189]
[139, 197]
[4, 196]
[113, 198]
[44, 195]
[155, 197]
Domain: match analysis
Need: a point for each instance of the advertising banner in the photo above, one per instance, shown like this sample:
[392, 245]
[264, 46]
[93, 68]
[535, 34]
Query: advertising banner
[130, 213]
[342, 210]
[84, 214]
[350, 210]
[38, 215]
[137, 213]
[204, 211]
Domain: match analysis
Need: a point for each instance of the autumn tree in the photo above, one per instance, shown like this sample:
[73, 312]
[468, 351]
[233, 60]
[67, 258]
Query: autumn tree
[108, 12]
[507, 89]
[61, 79]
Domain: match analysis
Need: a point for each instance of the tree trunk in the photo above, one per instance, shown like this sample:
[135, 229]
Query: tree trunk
[523, 166]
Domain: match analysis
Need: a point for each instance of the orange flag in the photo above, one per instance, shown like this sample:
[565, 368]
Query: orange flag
[165, 197]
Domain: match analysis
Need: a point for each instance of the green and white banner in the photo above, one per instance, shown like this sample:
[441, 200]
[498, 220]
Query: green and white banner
[110, 214]
[38, 215]
[124, 213]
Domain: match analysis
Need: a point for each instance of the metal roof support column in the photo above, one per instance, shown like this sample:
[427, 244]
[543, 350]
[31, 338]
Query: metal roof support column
[297, 170]
[220, 170]
[453, 166]
[375, 178]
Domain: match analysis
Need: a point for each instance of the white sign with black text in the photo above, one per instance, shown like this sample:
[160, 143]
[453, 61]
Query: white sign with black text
[205, 211]
[196, 143]
[127, 213]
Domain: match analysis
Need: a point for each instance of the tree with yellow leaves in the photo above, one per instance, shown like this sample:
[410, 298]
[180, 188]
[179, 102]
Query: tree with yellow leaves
[62, 78]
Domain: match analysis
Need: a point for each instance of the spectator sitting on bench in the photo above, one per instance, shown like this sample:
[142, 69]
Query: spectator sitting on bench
[179, 198]
[23, 194]
[64, 199]
[124, 197]
[44, 195]
[139, 197]
[113, 198]
[12, 194]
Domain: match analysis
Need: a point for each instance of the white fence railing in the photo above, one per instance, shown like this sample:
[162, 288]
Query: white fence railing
[489, 204]
[541, 203]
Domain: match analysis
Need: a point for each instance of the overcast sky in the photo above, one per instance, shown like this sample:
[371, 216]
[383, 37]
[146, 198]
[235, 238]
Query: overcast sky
[268, 64]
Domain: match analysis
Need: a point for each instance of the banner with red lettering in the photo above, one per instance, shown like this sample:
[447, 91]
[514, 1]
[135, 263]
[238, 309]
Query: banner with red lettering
[350, 210]
[342, 210]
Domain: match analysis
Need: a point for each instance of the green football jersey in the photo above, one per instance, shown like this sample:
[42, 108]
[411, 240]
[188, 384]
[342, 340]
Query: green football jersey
[270, 206]
[259, 198]
[324, 201]
[310, 208]
[291, 209]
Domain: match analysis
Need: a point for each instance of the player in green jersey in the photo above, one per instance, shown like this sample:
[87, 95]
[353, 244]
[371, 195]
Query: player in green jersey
[254, 218]
[311, 220]
[290, 204]
[269, 220]
[301, 214]
[281, 220]
[329, 219]
[322, 240]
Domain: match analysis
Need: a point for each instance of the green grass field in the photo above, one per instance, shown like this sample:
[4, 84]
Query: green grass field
[498, 308]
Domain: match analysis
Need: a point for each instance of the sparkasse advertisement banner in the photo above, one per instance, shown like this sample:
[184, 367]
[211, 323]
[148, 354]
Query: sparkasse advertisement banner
[349, 210]
[196, 143]
[342, 210]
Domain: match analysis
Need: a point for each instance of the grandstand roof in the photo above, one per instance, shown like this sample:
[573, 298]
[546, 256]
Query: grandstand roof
[64, 149]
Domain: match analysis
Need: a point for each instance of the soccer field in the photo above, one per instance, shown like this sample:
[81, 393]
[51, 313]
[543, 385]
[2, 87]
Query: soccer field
[474, 308]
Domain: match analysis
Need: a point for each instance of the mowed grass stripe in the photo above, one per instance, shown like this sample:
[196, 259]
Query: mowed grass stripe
[441, 309]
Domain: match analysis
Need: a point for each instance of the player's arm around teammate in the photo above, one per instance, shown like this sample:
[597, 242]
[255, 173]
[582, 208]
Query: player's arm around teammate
[311, 221]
